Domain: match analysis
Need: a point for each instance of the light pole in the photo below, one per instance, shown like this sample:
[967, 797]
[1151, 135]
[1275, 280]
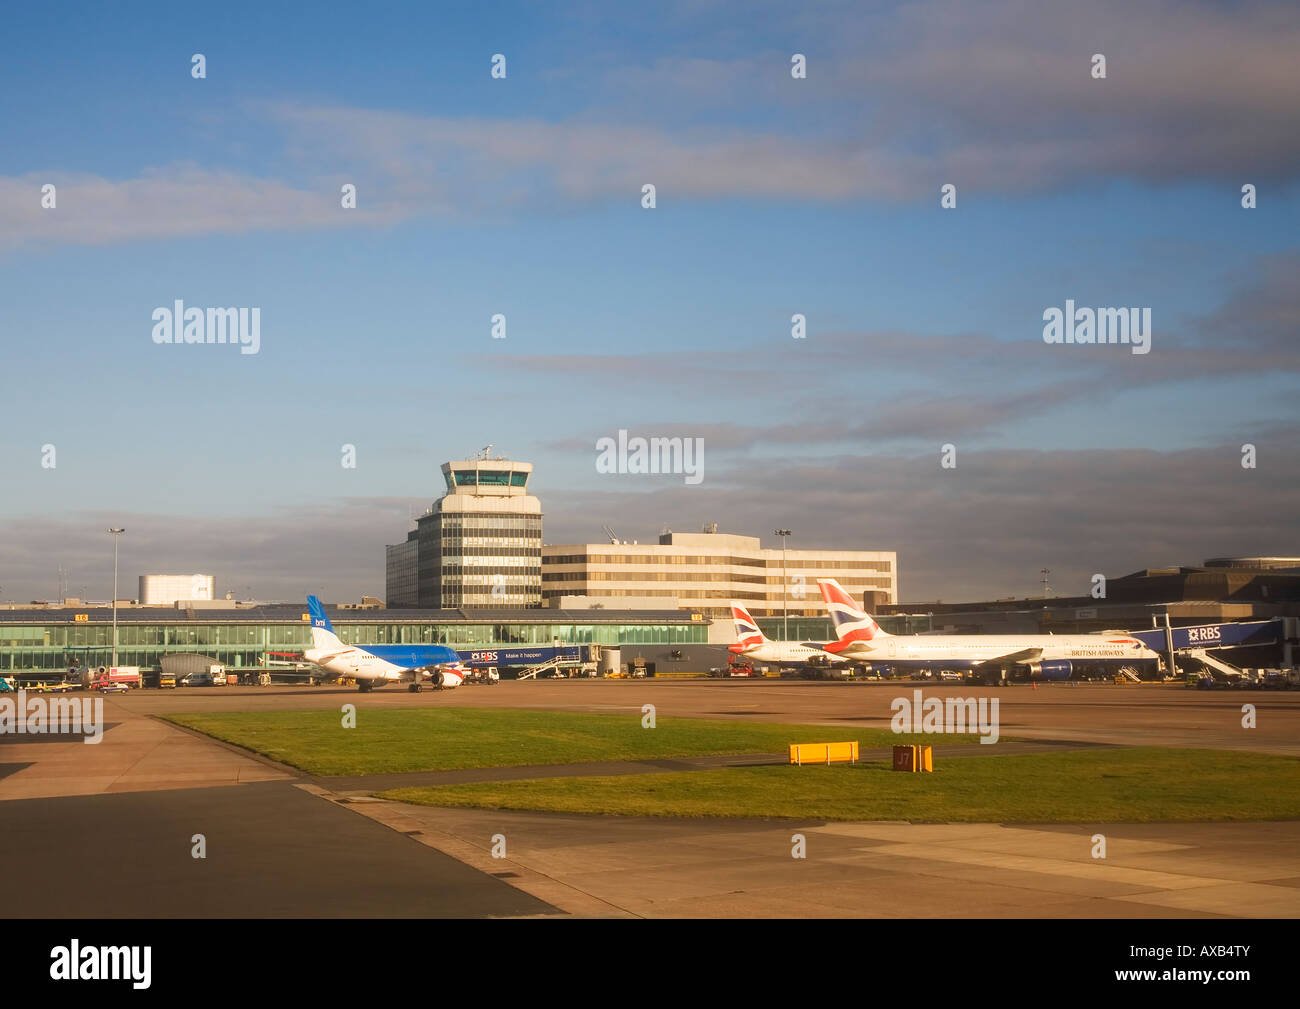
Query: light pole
[785, 614]
[116, 533]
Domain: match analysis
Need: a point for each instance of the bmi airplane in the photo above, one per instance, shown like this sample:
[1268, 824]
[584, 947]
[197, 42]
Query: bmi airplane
[754, 644]
[375, 665]
[1042, 656]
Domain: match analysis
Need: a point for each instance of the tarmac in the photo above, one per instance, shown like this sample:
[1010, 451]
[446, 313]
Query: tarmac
[282, 843]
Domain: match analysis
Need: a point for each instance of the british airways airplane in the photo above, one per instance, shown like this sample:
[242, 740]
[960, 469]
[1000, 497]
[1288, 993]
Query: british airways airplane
[752, 643]
[375, 665]
[1042, 656]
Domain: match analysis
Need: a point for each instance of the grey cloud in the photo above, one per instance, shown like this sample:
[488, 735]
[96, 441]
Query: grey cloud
[981, 530]
[986, 528]
[167, 203]
[994, 96]
[335, 547]
[959, 382]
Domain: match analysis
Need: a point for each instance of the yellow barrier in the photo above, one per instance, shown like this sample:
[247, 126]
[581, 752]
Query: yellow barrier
[913, 758]
[823, 753]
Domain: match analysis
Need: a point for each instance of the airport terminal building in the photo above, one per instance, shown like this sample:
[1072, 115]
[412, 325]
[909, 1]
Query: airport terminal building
[50, 641]
[704, 571]
[480, 545]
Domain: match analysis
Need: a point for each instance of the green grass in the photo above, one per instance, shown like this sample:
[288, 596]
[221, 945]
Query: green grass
[388, 741]
[1087, 786]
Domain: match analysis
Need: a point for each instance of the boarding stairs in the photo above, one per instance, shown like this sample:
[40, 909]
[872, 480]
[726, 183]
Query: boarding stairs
[532, 672]
[563, 667]
[1216, 665]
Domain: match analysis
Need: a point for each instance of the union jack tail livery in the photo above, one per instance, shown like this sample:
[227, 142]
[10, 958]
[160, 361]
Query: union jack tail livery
[851, 623]
[747, 633]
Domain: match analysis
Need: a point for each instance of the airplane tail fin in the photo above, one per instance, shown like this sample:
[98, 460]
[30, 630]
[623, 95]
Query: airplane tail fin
[747, 633]
[851, 622]
[322, 631]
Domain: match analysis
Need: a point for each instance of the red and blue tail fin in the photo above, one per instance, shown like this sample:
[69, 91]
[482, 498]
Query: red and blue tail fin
[850, 621]
[747, 633]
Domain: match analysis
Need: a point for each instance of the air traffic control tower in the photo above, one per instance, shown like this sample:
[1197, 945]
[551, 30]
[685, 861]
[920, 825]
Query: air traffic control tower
[479, 545]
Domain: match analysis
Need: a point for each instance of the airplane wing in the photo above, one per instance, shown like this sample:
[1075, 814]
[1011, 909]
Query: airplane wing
[1024, 655]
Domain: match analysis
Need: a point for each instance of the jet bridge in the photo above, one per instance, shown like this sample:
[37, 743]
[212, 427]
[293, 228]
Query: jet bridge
[1195, 641]
[1230, 635]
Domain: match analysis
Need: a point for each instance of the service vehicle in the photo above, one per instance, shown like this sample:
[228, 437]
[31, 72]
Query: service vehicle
[112, 676]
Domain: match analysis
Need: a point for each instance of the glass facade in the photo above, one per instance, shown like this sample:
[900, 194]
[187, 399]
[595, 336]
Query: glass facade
[477, 559]
[401, 578]
[55, 646]
[485, 478]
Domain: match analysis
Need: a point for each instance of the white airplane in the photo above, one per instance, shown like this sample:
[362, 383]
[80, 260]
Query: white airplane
[375, 665]
[754, 644]
[1041, 656]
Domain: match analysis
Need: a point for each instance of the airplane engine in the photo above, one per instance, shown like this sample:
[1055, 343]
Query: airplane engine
[1056, 669]
[436, 678]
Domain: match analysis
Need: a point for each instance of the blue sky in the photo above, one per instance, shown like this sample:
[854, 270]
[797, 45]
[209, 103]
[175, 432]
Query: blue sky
[522, 196]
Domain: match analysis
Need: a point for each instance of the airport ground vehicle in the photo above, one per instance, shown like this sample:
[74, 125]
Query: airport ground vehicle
[737, 666]
[7, 684]
[202, 678]
[110, 678]
[72, 681]
[634, 670]
[166, 681]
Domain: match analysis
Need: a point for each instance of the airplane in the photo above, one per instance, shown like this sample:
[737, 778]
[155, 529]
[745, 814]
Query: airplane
[754, 644]
[375, 665]
[1041, 656]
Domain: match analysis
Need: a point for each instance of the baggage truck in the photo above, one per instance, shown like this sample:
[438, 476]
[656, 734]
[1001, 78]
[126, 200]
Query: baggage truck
[115, 677]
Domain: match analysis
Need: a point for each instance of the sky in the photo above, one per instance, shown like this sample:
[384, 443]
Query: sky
[921, 410]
